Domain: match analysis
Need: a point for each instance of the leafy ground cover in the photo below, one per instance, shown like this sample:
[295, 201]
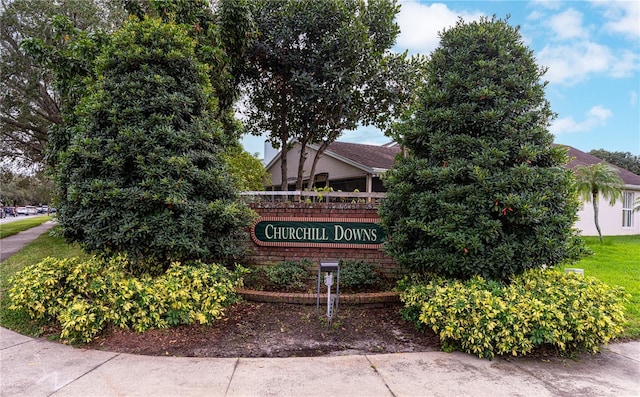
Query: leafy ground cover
[248, 329]
[9, 229]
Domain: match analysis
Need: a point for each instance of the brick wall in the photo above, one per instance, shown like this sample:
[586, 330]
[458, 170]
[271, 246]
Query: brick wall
[260, 255]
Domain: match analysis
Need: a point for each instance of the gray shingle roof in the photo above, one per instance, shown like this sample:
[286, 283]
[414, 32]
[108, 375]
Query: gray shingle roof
[382, 157]
[581, 158]
[368, 155]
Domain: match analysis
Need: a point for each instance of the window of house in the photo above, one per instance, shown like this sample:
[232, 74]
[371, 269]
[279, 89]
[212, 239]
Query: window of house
[627, 209]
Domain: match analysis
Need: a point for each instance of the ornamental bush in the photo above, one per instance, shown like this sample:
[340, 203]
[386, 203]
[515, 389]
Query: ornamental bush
[87, 296]
[568, 312]
[143, 173]
[358, 275]
[288, 275]
[481, 188]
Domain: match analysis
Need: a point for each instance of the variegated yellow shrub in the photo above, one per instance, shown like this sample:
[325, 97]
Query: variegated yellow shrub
[87, 296]
[539, 307]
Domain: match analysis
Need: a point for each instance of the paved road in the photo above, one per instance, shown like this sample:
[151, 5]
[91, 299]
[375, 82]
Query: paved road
[12, 244]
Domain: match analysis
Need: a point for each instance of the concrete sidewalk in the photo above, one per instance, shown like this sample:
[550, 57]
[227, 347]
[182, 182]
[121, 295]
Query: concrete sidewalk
[33, 367]
[12, 244]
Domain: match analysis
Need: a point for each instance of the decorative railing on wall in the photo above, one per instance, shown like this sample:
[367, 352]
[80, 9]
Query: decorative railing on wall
[312, 196]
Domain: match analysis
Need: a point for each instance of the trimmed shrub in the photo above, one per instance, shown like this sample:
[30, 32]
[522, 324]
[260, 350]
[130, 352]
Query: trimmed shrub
[480, 189]
[288, 275]
[144, 173]
[538, 308]
[87, 296]
[357, 275]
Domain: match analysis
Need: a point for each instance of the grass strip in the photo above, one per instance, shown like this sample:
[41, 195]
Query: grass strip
[11, 228]
[615, 262]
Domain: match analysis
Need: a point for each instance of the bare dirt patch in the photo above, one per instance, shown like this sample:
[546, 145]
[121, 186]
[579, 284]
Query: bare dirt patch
[279, 330]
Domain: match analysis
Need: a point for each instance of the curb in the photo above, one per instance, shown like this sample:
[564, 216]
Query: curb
[368, 298]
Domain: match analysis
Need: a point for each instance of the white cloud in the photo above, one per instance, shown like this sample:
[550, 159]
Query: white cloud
[568, 25]
[549, 4]
[366, 135]
[535, 16]
[569, 64]
[596, 117]
[625, 64]
[599, 114]
[623, 17]
[421, 23]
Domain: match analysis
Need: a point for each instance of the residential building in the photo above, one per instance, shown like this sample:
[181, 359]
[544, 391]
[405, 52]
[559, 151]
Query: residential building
[343, 166]
[349, 167]
[619, 219]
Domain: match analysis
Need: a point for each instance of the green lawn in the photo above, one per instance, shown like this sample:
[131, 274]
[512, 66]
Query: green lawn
[9, 229]
[617, 262]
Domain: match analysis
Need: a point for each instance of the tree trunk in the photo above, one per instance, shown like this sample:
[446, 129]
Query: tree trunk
[284, 141]
[312, 175]
[301, 161]
[284, 184]
[595, 213]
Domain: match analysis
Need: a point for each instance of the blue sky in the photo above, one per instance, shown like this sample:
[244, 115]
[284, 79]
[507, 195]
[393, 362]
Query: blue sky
[592, 50]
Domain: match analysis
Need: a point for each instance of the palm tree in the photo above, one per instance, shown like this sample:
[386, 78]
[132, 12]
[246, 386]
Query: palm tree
[595, 180]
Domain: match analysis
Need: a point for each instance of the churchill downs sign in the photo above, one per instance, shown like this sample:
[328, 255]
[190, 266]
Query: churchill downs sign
[318, 232]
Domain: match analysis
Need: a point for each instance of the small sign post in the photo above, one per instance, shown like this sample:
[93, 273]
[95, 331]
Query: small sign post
[329, 268]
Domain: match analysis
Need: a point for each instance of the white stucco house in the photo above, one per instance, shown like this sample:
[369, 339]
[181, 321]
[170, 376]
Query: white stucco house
[350, 166]
[616, 220]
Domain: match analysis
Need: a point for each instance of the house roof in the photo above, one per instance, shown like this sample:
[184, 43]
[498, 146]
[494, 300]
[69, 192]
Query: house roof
[378, 158]
[581, 158]
[371, 156]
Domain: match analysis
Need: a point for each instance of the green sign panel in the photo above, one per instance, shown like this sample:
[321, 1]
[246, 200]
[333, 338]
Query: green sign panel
[314, 233]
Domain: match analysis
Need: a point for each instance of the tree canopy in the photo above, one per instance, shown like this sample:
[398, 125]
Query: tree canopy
[62, 39]
[20, 189]
[30, 102]
[625, 160]
[481, 189]
[319, 67]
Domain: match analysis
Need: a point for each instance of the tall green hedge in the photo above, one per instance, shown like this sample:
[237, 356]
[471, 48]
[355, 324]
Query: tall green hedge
[481, 189]
[143, 173]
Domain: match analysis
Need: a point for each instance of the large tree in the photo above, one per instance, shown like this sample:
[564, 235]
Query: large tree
[143, 172]
[30, 103]
[598, 180]
[481, 190]
[20, 189]
[319, 67]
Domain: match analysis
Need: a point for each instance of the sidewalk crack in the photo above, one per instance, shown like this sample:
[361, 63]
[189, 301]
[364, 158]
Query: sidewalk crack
[235, 366]
[373, 367]
[84, 374]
